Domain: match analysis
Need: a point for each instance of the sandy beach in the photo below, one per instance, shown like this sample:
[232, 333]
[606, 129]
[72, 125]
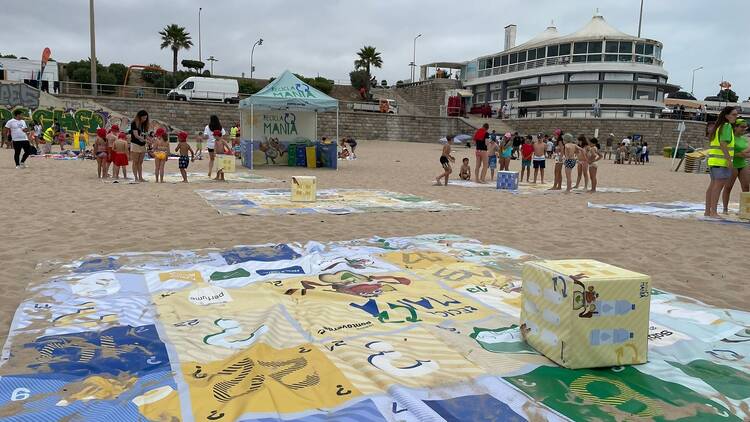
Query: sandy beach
[59, 211]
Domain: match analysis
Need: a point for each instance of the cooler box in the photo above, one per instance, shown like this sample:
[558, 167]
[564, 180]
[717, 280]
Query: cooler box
[585, 314]
[304, 189]
[745, 205]
[507, 180]
[225, 162]
[310, 157]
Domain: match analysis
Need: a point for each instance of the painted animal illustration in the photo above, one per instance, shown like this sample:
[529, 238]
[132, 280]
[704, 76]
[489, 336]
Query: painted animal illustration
[354, 284]
[584, 298]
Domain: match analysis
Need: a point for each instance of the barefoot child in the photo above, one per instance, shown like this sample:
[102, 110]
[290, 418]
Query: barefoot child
[593, 156]
[100, 149]
[570, 152]
[120, 156]
[583, 164]
[539, 158]
[220, 147]
[527, 151]
[445, 160]
[492, 153]
[465, 172]
[559, 163]
[161, 153]
[183, 148]
[199, 147]
[114, 132]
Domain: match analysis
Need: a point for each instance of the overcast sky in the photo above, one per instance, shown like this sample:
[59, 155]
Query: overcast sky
[322, 36]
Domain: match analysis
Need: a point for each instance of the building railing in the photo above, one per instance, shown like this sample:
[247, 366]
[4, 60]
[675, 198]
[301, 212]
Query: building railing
[549, 61]
[128, 91]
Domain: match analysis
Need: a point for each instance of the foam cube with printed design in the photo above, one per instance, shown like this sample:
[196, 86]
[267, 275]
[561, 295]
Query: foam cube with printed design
[304, 189]
[584, 313]
[507, 180]
[745, 205]
[225, 162]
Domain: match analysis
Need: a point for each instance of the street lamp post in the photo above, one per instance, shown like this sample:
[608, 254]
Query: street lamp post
[414, 58]
[252, 51]
[692, 81]
[212, 59]
[200, 56]
[92, 34]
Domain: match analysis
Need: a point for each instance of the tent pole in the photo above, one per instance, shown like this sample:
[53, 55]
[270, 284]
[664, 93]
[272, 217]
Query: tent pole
[252, 139]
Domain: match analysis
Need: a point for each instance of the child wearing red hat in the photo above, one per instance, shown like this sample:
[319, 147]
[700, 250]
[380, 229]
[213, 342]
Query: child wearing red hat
[183, 148]
[120, 156]
[161, 153]
[100, 151]
[114, 132]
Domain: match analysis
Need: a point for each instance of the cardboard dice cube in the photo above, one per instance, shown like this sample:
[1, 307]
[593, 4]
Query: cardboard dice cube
[225, 162]
[304, 189]
[585, 314]
[745, 205]
[507, 180]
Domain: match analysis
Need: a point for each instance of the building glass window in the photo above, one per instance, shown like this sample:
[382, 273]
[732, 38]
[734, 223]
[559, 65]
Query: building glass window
[645, 93]
[649, 50]
[530, 81]
[579, 48]
[552, 50]
[564, 49]
[554, 92]
[591, 76]
[594, 58]
[529, 94]
[532, 55]
[521, 57]
[479, 98]
[513, 58]
[618, 76]
[504, 60]
[495, 96]
[595, 47]
[639, 48]
[610, 57]
[583, 91]
[626, 58]
[611, 47]
[621, 92]
[551, 79]
[579, 59]
[540, 53]
[496, 61]
[626, 47]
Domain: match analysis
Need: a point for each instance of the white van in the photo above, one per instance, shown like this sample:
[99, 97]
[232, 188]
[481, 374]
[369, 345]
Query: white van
[206, 89]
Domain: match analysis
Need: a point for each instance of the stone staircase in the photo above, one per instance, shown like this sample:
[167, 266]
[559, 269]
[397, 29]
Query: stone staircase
[499, 126]
[405, 107]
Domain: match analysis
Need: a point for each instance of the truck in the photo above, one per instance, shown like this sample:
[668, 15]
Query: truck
[196, 88]
[382, 106]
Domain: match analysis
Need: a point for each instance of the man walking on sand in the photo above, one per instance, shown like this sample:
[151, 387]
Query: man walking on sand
[539, 159]
[18, 130]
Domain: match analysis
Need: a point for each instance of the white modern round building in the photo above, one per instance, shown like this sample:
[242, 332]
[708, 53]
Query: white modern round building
[554, 75]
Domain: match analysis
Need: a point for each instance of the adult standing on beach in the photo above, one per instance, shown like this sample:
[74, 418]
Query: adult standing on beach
[480, 143]
[720, 158]
[208, 135]
[739, 162]
[16, 131]
[609, 143]
[138, 141]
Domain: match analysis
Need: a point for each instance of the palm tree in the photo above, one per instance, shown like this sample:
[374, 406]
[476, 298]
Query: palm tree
[368, 58]
[176, 38]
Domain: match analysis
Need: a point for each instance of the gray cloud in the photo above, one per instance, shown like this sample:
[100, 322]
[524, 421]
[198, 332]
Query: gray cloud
[322, 37]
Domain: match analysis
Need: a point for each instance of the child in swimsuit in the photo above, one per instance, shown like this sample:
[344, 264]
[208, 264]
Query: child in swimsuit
[445, 160]
[161, 153]
[120, 156]
[593, 156]
[569, 154]
[183, 148]
[492, 149]
[583, 163]
[507, 152]
[100, 149]
[465, 173]
[221, 147]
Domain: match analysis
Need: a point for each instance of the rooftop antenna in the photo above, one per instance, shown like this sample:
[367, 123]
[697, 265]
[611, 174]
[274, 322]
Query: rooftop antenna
[640, 20]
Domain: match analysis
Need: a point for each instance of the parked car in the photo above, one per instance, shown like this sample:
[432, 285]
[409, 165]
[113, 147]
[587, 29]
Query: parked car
[206, 89]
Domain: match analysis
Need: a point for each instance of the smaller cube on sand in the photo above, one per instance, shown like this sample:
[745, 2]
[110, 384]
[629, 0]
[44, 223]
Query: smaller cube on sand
[586, 314]
[745, 206]
[507, 180]
[304, 189]
[225, 162]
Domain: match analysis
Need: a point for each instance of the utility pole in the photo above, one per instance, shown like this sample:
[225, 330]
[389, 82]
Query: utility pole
[692, 81]
[93, 47]
[640, 20]
[200, 56]
[414, 59]
[252, 52]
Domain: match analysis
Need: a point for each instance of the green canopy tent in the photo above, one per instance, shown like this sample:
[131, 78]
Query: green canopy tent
[289, 93]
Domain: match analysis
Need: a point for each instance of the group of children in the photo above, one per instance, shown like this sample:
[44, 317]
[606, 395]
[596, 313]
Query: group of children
[112, 149]
[534, 152]
[633, 152]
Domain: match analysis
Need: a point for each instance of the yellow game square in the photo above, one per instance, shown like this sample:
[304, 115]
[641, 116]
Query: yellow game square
[264, 379]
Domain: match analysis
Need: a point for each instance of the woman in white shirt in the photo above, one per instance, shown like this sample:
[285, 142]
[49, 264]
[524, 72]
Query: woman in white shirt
[16, 129]
[208, 136]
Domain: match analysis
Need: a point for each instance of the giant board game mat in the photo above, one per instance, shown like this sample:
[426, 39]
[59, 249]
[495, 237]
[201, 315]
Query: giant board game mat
[384, 329]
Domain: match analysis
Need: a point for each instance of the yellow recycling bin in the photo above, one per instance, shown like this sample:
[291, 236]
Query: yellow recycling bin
[586, 314]
[304, 189]
[311, 157]
[225, 162]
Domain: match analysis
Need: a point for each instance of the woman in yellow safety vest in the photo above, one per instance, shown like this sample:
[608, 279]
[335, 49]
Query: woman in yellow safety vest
[741, 170]
[720, 155]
